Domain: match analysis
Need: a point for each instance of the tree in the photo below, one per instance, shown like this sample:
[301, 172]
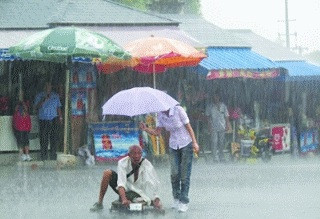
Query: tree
[192, 7]
[140, 4]
[165, 6]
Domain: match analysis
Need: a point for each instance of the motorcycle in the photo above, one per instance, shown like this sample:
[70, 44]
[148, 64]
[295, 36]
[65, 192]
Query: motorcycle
[262, 147]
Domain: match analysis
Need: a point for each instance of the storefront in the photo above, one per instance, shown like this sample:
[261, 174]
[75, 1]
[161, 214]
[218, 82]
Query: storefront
[247, 84]
[89, 90]
[304, 103]
[28, 77]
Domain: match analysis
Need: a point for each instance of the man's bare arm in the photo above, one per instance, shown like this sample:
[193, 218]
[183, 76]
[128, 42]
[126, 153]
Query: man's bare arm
[122, 193]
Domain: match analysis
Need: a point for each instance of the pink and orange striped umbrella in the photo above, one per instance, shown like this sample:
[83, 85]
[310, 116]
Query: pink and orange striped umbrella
[156, 54]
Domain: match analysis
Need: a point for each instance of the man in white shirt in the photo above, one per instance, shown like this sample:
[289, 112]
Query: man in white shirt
[218, 124]
[135, 179]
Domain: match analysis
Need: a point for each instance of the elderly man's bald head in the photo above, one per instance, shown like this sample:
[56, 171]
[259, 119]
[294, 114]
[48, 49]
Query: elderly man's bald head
[135, 153]
[135, 148]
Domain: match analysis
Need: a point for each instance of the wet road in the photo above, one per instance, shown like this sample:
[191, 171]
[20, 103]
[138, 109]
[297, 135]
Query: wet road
[283, 188]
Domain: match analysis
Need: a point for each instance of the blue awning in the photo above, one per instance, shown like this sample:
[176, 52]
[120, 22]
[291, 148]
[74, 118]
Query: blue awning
[4, 56]
[236, 62]
[300, 70]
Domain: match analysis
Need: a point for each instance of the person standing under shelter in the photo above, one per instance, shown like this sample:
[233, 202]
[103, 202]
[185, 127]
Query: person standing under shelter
[48, 105]
[21, 123]
[219, 124]
[182, 144]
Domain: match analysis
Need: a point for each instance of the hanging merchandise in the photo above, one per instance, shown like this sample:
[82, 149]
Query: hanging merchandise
[83, 81]
[84, 75]
[79, 102]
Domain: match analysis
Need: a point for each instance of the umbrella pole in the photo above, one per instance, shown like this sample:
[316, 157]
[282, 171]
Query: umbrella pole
[154, 75]
[154, 86]
[66, 109]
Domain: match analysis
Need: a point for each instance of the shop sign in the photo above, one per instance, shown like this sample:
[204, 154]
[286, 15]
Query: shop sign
[217, 74]
[280, 137]
[309, 140]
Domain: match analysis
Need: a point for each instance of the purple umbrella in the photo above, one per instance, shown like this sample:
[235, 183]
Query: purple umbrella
[138, 101]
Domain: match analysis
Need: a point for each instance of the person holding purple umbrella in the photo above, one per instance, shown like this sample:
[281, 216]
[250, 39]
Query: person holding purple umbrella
[182, 144]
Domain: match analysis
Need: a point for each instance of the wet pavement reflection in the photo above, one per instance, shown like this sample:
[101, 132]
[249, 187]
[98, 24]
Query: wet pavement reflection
[283, 188]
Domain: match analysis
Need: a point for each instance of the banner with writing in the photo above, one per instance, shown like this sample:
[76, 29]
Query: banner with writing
[112, 140]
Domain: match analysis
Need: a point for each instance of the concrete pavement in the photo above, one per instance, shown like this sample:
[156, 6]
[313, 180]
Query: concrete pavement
[283, 188]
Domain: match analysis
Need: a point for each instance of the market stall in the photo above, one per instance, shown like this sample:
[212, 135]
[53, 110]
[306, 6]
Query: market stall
[247, 85]
[30, 77]
[54, 51]
[304, 104]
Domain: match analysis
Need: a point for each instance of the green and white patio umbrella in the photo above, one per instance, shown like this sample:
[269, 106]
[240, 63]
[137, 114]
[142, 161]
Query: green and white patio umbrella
[60, 45]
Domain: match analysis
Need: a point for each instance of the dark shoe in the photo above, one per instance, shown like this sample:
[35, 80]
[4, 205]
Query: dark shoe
[97, 207]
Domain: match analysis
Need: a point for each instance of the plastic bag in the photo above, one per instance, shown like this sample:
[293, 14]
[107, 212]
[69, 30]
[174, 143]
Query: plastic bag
[84, 152]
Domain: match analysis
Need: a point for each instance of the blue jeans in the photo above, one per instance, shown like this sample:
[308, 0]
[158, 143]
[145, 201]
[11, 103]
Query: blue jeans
[181, 163]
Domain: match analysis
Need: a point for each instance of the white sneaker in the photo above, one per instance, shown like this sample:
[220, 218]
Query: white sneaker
[28, 158]
[183, 207]
[23, 157]
[175, 204]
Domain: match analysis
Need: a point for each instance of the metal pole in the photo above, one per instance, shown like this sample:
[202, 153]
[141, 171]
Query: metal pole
[66, 110]
[287, 24]
[154, 75]
[155, 119]
[20, 87]
[10, 79]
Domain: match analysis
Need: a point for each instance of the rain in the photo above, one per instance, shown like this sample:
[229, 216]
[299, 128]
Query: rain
[281, 188]
[268, 163]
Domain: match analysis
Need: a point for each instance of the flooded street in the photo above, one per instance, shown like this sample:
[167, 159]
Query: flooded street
[93, 80]
[283, 188]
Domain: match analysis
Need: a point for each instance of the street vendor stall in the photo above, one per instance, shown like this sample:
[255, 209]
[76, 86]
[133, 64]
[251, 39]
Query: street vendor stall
[63, 45]
[17, 76]
[304, 103]
[245, 81]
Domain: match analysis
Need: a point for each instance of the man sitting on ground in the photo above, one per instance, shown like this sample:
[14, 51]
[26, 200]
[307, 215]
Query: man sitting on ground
[136, 180]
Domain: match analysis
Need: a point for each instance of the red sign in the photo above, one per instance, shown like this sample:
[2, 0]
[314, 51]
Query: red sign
[280, 138]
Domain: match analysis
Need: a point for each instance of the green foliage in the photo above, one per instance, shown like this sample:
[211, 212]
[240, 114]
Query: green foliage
[140, 4]
[190, 7]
